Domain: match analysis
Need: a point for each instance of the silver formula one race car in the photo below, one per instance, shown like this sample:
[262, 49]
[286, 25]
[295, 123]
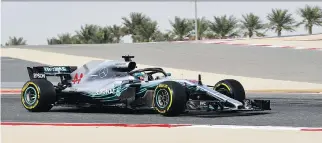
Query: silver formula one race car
[119, 83]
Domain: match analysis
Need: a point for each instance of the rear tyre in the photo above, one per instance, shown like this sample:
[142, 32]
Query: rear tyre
[38, 95]
[170, 98]
[231, 88]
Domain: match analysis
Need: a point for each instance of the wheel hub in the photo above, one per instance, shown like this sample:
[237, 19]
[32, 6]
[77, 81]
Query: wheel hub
[163, 98]
[30, 95]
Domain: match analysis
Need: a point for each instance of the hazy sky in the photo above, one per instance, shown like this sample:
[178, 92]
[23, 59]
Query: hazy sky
[37, 21]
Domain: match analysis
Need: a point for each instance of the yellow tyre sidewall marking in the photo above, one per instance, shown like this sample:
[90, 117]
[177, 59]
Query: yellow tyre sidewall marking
[164, 86]
[223, 84]
[23, 92]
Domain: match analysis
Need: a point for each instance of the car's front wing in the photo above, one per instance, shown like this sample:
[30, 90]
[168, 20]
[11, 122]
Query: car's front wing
[248, 105]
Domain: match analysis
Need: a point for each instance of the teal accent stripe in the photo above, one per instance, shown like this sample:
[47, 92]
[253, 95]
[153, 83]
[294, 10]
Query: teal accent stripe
[144, 88]
[118, 89]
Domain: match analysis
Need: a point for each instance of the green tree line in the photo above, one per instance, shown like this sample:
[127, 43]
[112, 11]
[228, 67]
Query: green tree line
[143, 29]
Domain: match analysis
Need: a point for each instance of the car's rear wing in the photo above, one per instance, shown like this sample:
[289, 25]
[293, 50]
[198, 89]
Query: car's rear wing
[44, 71]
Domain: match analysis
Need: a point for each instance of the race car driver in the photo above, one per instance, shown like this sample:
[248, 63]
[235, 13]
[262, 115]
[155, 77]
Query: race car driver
[141, 76]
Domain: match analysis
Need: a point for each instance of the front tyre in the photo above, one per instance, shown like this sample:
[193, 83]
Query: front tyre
[170, 98]
[38, 95]
[231, 88]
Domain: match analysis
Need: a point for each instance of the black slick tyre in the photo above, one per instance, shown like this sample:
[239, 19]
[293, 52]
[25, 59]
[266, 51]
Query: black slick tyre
[170, 98]
[38, 95]
[231, 88]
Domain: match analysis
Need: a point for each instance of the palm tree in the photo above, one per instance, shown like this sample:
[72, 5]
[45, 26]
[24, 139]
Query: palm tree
[280, 20]
[16, 41]
[117, 33]
[252, 24]
[181, 27]
[211, 35]
[202, 26]
[135, 19]
[104, 35]
[65, 38]
[88, 34]
[224, 26]
[145, 31]
[311, 16]
[53, 41]
[168, 35]
[158, 36]
[76, 40]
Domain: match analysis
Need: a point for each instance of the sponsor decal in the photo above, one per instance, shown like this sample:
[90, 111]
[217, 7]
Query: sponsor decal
[77, 79]
[39, 75]
[105, 92]
[55, 69]
[120, 64]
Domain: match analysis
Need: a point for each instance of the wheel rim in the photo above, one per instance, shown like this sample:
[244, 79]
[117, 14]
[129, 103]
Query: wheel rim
[162, 98]
[224, 91]
[30, 95]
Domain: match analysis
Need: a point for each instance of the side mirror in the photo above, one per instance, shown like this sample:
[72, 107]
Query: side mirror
[168, 74]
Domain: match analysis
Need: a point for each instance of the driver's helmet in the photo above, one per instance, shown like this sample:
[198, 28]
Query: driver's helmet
[139, 76]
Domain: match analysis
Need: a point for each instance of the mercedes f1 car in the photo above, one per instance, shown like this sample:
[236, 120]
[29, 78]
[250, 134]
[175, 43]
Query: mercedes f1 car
[119, 83]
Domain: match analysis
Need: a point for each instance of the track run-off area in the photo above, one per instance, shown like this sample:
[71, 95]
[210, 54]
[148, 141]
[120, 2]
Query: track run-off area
[266, 73]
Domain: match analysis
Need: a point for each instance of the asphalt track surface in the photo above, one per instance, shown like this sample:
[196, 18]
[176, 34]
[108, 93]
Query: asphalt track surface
[261, 62]
[287, 110]
[303, 110]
